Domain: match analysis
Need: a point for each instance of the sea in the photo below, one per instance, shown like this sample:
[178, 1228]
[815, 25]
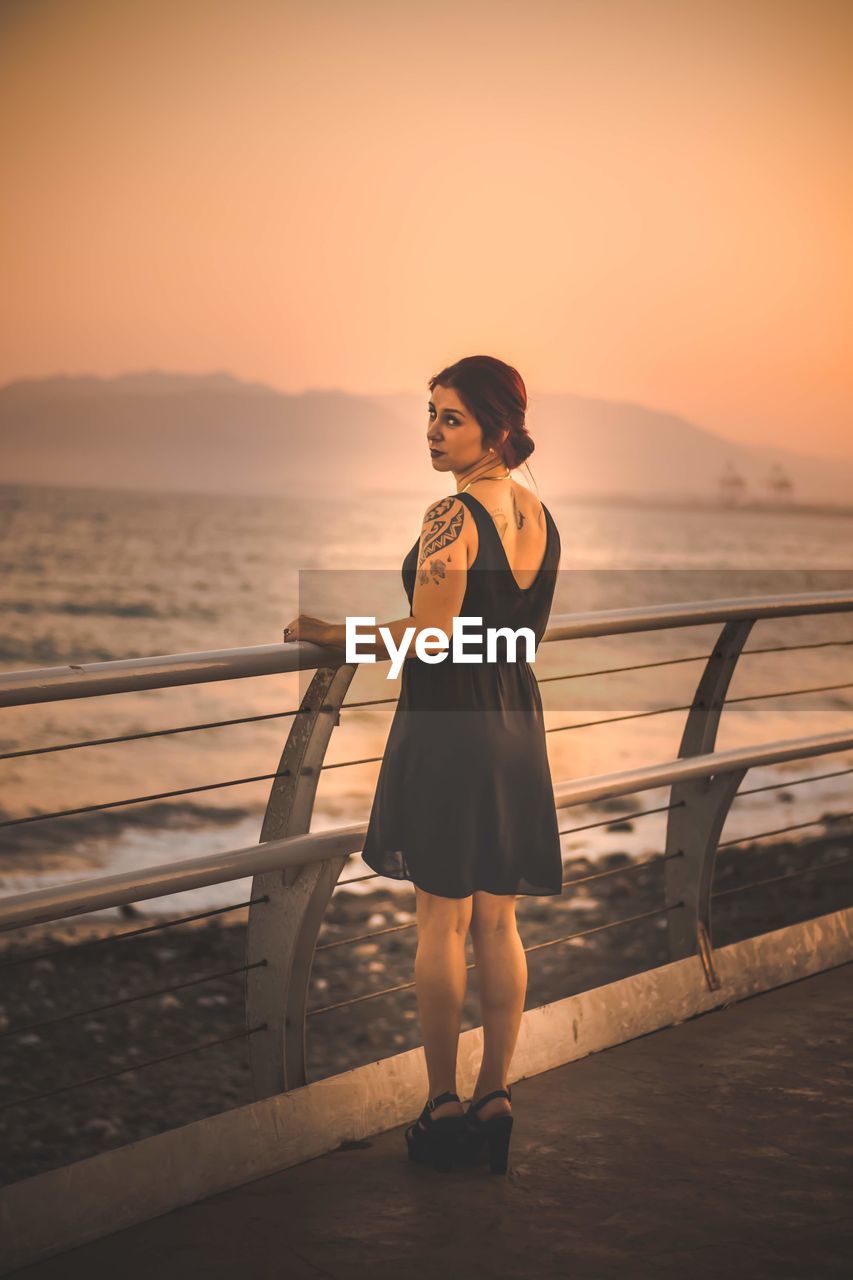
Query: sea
[94, 575]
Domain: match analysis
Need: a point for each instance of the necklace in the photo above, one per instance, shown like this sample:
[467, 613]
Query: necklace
[470, 482]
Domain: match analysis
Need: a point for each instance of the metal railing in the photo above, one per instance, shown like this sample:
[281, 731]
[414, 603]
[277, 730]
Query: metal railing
[295, 871]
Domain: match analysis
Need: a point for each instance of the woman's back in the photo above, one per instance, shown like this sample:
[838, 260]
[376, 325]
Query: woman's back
[504, 592]
[521, 524]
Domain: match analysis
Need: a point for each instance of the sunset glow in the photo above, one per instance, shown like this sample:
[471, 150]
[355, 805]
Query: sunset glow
[637, 201]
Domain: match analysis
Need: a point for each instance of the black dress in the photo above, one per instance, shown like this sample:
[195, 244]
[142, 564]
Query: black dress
[464, 798]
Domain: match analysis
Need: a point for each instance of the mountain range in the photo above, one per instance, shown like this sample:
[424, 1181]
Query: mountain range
[217, 433]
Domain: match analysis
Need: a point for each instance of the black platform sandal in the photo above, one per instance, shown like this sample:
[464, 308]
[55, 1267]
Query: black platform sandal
[437, 1141]
[490, 1136]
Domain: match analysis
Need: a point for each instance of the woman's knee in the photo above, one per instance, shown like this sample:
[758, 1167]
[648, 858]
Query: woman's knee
[492, 912]
[444, 915]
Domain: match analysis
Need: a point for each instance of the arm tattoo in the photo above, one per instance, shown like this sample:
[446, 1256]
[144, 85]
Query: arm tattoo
[436, 572]
[440, 528]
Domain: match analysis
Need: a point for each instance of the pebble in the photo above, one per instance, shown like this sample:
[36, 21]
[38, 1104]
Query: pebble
[106, 1128]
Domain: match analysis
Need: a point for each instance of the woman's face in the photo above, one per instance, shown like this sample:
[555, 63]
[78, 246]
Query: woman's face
[455, 437]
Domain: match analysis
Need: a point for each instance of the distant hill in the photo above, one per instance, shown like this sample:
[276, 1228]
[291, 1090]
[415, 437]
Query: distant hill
[216, 433]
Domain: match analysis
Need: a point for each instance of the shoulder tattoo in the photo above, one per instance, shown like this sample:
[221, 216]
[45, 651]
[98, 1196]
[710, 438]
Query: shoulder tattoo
[441, 528]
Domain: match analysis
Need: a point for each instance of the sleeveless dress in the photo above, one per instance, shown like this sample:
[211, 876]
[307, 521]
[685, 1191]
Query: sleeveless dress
[464, 798]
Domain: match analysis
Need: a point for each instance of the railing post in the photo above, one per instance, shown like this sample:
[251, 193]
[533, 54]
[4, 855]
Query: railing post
[700, 808]
[283, 929]
[693, 833]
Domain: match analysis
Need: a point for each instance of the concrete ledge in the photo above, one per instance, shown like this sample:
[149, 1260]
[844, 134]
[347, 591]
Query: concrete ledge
[67, 1207]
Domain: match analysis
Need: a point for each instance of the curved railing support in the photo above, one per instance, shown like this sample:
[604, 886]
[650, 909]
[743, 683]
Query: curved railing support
[693, 834]
[700, 807]
[283, 927]
[703, 718]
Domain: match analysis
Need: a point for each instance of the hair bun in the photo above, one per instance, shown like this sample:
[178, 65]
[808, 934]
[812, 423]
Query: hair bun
[518, 446]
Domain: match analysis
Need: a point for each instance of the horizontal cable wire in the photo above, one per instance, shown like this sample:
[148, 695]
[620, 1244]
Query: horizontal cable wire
[117, 1004]
[157, 795]
[794, 648]
[404, 986]
[644, 915]
[129, 933]
[662, 711]
[795, 782]
[371, 875]
[137, 1066]
[345, 764]
[152, 733]
[362, 937]
[632, 715]
[628, 866]
[632, 666]
[368, 702]
[778, 831]
[789, 693]
[623, 817]
[788, 875]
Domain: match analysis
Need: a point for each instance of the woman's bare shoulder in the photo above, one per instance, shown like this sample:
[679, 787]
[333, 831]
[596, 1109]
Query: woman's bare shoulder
[445, 522]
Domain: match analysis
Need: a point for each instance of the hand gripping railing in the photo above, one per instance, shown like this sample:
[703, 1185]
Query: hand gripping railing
[295, 871]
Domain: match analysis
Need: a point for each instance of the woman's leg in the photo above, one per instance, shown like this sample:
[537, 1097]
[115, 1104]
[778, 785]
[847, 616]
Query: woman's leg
[441, 979]
[502, 983]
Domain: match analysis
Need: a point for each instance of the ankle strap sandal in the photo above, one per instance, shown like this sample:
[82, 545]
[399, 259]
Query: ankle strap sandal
[441, 1098]
[491, 1135]
[437, 1141]
[487, 1097]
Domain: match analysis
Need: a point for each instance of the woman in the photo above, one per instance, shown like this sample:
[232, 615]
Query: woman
[464, 804]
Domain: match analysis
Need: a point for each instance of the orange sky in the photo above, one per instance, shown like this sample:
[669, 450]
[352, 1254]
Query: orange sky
[641, 200]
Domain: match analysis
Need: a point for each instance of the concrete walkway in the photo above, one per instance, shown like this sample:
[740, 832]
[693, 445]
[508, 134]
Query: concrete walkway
[721, 1147]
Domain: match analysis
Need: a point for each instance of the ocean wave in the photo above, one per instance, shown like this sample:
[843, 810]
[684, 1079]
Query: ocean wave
[110, 609]
[25, 652]
[71, 833]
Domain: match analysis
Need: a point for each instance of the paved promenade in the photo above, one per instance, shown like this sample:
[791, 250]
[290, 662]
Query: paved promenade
[721, 1147]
